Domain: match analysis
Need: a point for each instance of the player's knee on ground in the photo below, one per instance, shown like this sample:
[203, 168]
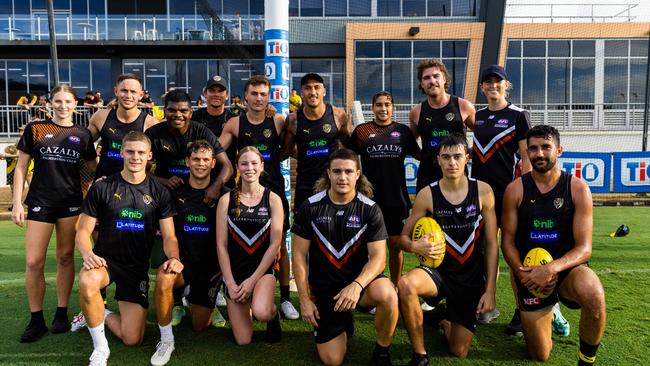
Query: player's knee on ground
[131, 340]
[459, 349]
[537, 353]
[331, 358]
[243, 339]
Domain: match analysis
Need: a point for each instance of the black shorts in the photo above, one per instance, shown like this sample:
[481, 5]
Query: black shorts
[394, 219]
[131, 284]
[51, 214]
[301, 195]
[530, 302]
[272, 270]
[285, 207]
[203, 288]
[332, 323]
[498, 206]
[462, 300]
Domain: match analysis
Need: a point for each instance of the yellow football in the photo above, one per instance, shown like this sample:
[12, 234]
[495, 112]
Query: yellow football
[538, 257]
[427, 225]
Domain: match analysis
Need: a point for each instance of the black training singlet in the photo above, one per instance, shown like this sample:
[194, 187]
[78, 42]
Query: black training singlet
[339, 235]
[249, 235]
[128, 217]
[265, 138]
[315, 140]
[434, 124]
[112, 133]
[496, 142]
[545, 220]
[383, 150]
[57, 152]
[215, 125]
[195, 229]
[462, 225]
[169, 149]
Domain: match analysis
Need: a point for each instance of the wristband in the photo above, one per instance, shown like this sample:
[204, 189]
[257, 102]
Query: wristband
[359, 283]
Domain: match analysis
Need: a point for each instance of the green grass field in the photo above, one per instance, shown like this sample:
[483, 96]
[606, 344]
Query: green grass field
[621, 264]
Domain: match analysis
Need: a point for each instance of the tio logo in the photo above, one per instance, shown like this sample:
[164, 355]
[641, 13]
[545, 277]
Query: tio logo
[279, 93]
[637, 171]
[587, 171]
[277, 47]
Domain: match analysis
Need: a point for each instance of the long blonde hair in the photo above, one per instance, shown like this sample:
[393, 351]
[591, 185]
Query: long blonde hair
[363, 184]
[237, 191]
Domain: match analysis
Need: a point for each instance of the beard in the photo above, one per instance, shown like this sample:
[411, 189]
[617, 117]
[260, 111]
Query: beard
[549, 164]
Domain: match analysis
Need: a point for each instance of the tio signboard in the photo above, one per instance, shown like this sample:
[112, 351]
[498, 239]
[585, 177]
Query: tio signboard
[631, 172]
[592, 168]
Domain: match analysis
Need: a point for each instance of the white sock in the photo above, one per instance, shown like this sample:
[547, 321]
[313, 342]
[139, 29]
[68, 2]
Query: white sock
[166, 333]
[99, 337]
[107, 313]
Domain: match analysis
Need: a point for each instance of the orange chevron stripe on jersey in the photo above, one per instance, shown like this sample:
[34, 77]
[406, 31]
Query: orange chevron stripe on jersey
[338, 257]
[250, 245]
[484, 153]
[462, 253]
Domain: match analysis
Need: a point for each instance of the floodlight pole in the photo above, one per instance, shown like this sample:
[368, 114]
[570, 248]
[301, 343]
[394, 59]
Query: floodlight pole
[644, 143]
[53, 54]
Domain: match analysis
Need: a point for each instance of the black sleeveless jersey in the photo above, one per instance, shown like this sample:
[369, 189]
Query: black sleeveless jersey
[195, 229]
[316, 140]
[496, 142]
[249, 235]
[265, 138]
[545, 220]
[382, 150]
[169, 149]
[57, 152]
[215, 125]
[112, 133]
[128, 217]
[434, 124]
[462, 225]
[339, 235]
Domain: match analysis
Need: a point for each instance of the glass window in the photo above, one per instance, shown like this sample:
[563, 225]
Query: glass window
[80, 76]
[514, 49]
[399, 49]
[257, 7]
[583, 81]
[16, 79]
[64, 72]
[637, 82]
[61, 4]
[6, 8]
[616, 71]
[533, 81]
[368, 49]
[197, 74]
[38, 77]
[79, 7]
[101, 71]
[336, 7]
[454, 48]
[439, 8]
[426, 49]
[396, 74]
[359, 8]
[337, 66]
[388, 8]
[558, 81]
[311, 8]
[318, 66]
[584, 48]
[179, 7]
[464, 8]
[414, 8]
[616, 48]
[337, 90]
[36, 4]
[559, 48]
[3, 83]
[234, 7]
[366, 81]
[513, 67]
[638, 48]
[96, 7]
[176, 74]
[456, 70]
[22, 7]
[534, 48]
[293, 8]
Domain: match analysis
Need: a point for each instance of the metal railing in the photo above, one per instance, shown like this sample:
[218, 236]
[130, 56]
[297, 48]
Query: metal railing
[570, 12]
[133, 28]
[593, 117]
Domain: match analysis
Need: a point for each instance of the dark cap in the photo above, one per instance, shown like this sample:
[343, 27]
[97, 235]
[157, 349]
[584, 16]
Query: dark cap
[311, 77]
[494, 70]
[216, 80]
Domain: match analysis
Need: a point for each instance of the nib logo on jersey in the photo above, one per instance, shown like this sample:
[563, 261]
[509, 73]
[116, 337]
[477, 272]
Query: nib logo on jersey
[436, 136]
[318, 147]
[130, 219]
[196, 224]
[178, 168]
[264, 150]
[544, 231]
[113, 151]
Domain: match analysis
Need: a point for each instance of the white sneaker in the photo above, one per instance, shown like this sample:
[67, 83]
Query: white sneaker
[78, 322]
[373, 311]
[288, 311]
[99, 357]
[427, 307]
[221, 300]
[163, 353]
[486, 318]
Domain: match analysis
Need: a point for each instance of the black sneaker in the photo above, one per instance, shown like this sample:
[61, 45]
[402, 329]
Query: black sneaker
[381, 359]
[435, 316]
[514, 327]
[60, 324]
[419, 360]
[35, 330]
[273, 330]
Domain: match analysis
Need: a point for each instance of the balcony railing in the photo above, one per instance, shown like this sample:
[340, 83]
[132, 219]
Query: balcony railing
[132, 28]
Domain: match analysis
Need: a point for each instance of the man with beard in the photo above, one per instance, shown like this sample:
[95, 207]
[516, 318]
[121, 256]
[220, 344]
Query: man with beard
[547, 208]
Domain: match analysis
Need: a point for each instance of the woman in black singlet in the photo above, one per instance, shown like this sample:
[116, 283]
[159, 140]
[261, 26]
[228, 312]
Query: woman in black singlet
[57, 146]
[249, 232]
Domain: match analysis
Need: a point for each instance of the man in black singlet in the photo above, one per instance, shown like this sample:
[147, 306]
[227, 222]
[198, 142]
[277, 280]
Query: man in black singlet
[129, 207]
[317, 129]
[339, 254]
[169, 141]
[254, 128]
[438, 116]
[550, 209]
[466, 278]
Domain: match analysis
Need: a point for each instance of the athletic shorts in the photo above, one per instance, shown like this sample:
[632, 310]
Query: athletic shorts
[498, 206]
[285, 208]
[394, 219]
[51, 214]
[131, 285]
[530, 302]
[271, 270]
[462, 300]
[332, 323]
[203, 288]
[301, 195]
